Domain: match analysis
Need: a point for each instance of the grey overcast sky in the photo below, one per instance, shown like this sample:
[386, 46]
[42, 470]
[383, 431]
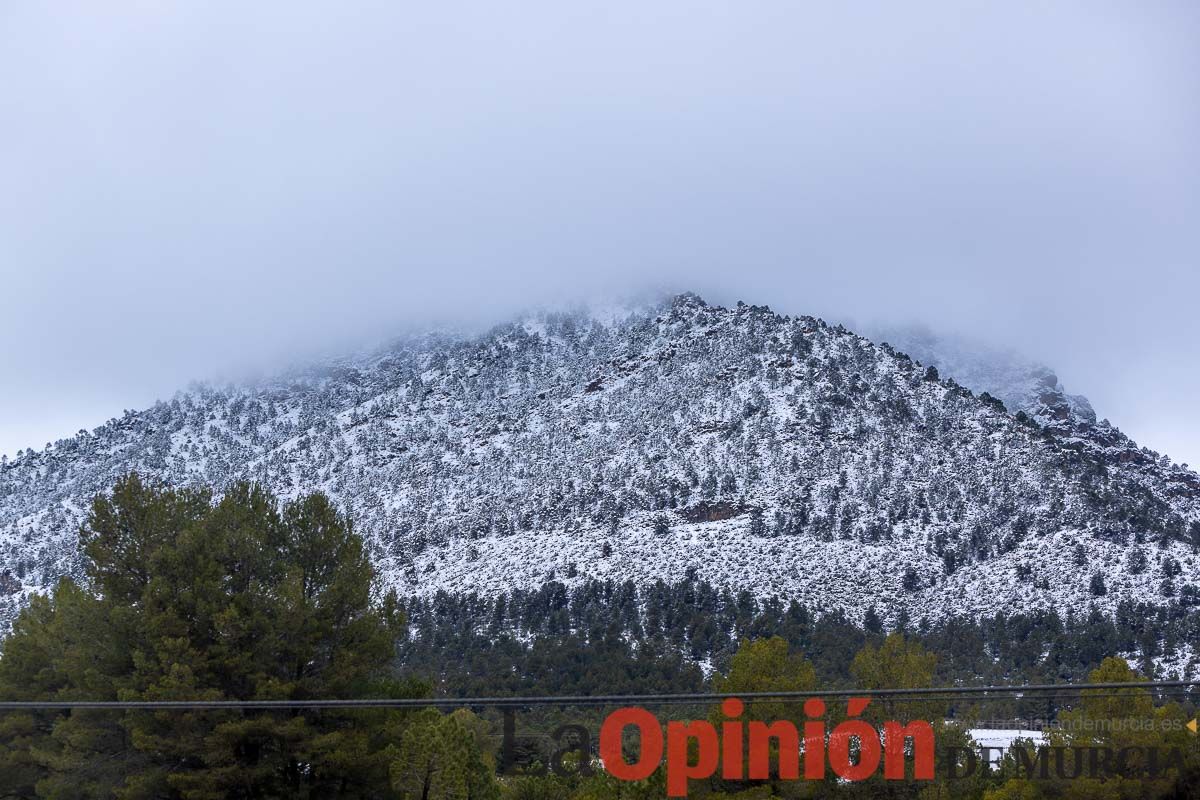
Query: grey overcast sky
[193, 187]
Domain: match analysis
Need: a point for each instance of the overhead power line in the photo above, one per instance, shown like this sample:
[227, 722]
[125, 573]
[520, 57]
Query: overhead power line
[1028, 691]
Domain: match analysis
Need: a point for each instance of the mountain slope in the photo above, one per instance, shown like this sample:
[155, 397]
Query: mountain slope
[1031, 388]
[1021, 384]
[778, 454]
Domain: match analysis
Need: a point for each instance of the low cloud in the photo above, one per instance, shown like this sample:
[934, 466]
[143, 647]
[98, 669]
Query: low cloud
[199, 190]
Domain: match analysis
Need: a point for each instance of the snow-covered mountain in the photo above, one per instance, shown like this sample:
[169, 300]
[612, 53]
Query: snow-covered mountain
[1031, 388]
[779, 454]
[1020, 383]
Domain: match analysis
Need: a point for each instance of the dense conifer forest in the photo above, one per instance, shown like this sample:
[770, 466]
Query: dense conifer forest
[612, 638]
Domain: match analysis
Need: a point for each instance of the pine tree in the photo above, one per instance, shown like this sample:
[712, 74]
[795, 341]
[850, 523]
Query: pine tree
[1137, 562]
[758, 525]
[241, 599]
[440, 757]
[871, 621]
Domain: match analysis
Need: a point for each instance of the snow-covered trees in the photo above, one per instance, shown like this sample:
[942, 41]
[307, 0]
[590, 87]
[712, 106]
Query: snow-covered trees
[814, 432]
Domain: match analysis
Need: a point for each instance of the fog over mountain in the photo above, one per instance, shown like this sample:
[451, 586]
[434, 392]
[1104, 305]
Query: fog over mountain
[203, 189]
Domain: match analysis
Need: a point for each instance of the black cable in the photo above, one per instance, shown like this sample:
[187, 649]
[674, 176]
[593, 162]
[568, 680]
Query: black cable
[932, 693]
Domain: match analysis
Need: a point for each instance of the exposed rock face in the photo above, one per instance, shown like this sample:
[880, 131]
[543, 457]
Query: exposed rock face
[705, 511]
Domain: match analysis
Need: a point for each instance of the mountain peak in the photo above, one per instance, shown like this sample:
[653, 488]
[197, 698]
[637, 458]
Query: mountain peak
[762, 451]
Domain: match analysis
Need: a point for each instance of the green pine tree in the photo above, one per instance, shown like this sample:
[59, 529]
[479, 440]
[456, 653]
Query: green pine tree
[190, 599]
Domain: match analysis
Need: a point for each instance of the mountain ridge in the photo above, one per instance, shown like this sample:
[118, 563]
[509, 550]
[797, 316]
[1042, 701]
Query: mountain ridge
[775, 452]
